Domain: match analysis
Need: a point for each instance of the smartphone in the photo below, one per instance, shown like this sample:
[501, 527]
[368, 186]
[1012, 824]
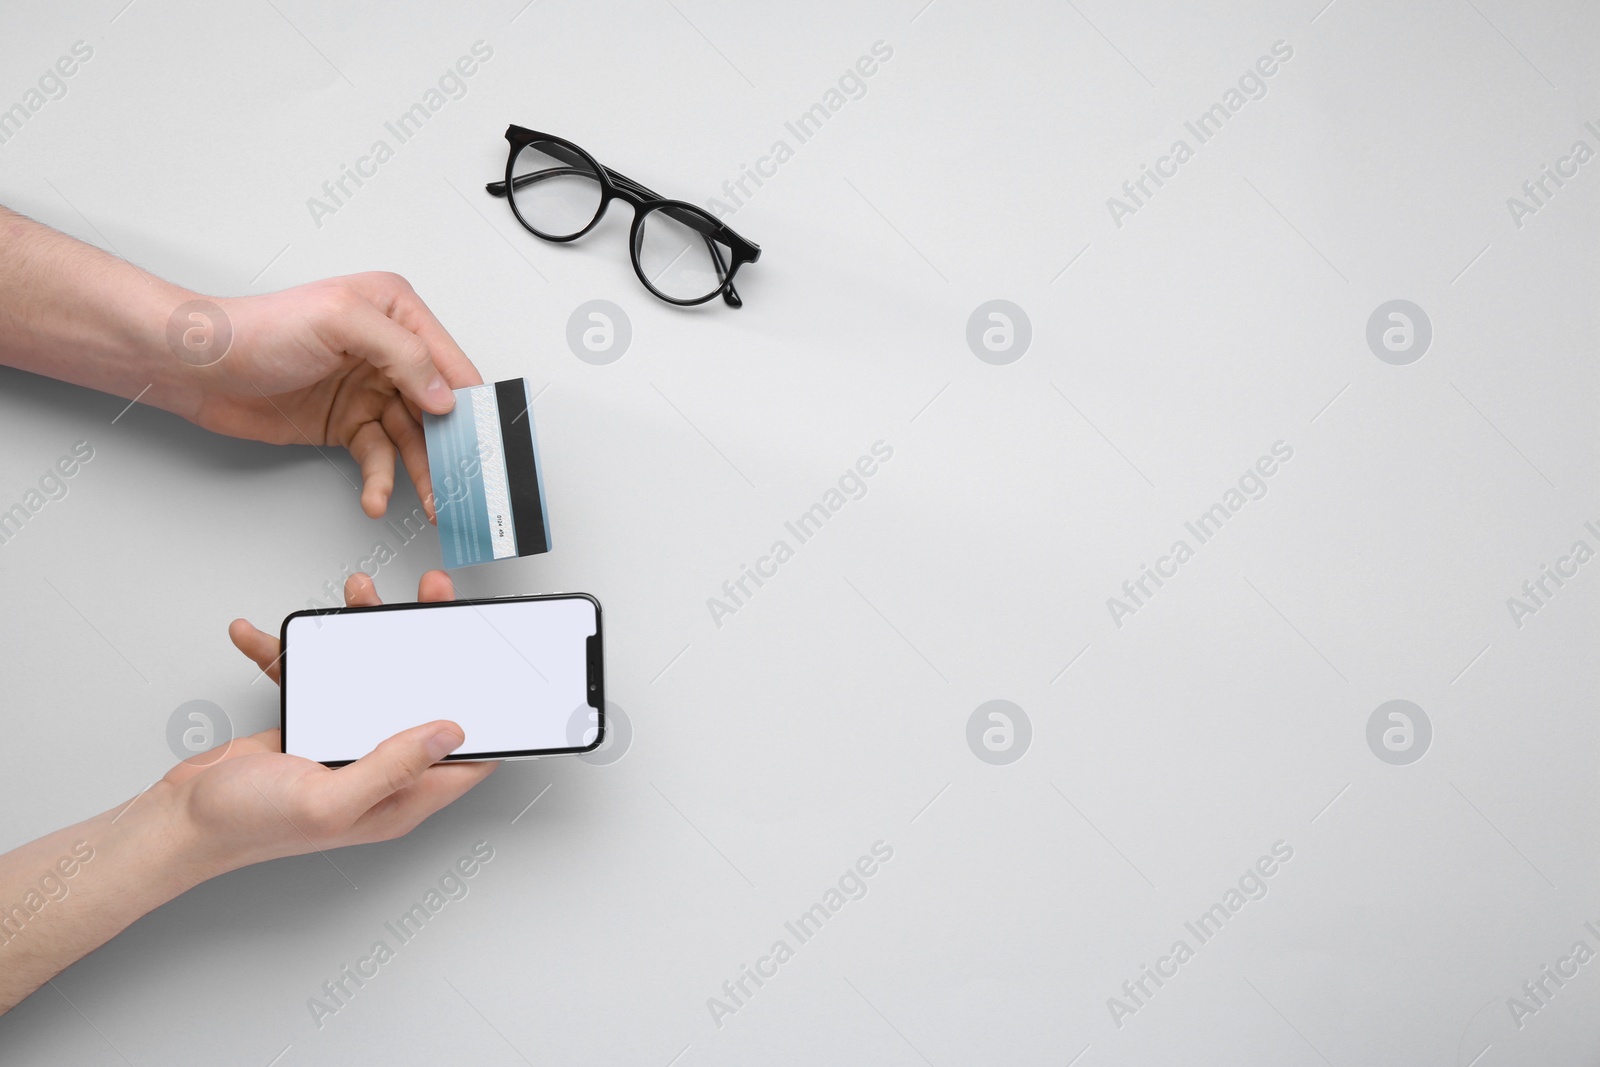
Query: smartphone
[522, 676]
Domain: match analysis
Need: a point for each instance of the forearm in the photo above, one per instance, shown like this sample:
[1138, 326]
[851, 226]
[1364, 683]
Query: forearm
[73, 312]
[66, 894]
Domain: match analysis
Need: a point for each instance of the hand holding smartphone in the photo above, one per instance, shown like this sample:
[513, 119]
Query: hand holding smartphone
[522, 676]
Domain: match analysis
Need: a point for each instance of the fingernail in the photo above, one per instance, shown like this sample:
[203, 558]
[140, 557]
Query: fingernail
[439, 393]
[443, 743]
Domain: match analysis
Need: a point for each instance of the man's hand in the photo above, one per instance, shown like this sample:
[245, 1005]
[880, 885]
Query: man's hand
[257, 803]
[350, 362]
[213, 813]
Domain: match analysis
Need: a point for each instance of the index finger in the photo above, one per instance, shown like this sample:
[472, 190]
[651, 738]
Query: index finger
[394, 296]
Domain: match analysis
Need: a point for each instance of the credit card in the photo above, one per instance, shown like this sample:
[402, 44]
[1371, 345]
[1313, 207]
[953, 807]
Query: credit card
[487, 489]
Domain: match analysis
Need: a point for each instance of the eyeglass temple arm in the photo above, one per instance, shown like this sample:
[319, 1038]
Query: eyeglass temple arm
[730, 296]
[499, 188]
[621, 181]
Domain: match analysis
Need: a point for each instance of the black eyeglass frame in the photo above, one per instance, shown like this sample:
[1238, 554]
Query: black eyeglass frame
[614, 186]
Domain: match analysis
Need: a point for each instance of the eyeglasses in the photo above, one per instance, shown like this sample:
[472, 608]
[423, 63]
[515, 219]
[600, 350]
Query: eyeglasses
[558, 192]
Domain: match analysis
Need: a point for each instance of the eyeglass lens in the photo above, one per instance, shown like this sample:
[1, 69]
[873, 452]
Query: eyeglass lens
[555, 190]
[676, 258]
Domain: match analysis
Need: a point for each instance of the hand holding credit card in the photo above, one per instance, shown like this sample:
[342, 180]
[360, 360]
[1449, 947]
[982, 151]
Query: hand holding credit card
[488, 489]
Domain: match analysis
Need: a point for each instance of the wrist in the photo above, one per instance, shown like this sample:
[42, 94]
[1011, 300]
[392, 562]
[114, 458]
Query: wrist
[145, 315]
[157, 824]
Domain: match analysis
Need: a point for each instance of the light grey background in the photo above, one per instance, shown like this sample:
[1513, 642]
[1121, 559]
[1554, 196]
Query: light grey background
[831, 711]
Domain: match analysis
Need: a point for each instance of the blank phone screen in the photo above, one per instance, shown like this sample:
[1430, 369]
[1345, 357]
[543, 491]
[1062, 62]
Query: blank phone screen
[513, 674]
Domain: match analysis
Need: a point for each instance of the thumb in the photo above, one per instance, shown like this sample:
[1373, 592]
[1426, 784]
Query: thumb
[393, 765]
[262, 648]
